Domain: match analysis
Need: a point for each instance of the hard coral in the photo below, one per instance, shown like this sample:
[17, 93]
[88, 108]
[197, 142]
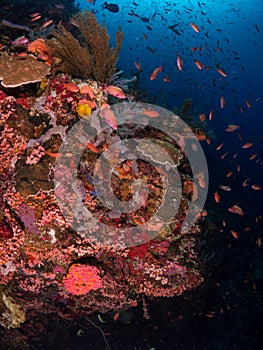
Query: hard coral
[16, 71]
[81, 279]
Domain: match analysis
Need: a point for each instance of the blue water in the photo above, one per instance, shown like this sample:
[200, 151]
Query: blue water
[231, 37]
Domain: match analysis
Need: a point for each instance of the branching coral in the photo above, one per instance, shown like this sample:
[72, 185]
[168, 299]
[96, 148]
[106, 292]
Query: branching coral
[91, 56]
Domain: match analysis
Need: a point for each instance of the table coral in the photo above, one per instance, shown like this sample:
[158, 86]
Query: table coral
[17, 71]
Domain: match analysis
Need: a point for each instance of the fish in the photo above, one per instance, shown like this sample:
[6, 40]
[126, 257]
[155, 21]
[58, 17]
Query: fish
[155, 72]
[179, 63]
[60, 6]
[202, 117]
[256, 187]
[235, 209]
[46, 23]
[225, 188]
[115, 91]
[221, 72]
[86, 90]
[110, 7]
[138, 66]
[252, 156]
[71, 87]
[219, 146]
[222, 101]
[22, 40]
[150, 49]
[224, 155]
[174, 29]
[167, 78]
[116, 316]
[145, 19]
[198, 64]
[217, 197]
[110, 118]
[245, 182]
[234, 234]
[9, 24]
[186, 106]
[150, 113]
[201, 180]
[232, 127]
[34, 14]
[195, 27]
[36, 18]
[248, 103]
[247, 145]
[92, 148]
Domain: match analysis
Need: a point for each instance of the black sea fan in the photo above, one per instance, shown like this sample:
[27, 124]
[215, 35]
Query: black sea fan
[90, 56]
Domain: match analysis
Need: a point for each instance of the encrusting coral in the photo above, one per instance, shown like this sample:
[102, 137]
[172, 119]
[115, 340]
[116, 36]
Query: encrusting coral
[90, 57]
[81, 279]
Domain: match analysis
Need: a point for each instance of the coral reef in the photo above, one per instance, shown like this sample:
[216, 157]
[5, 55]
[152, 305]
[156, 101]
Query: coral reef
[90, 57]
[43, 260]
[46, 264]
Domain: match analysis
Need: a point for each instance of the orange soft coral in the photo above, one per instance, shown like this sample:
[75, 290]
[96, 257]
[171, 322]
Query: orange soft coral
[81, 279]
[39, 48]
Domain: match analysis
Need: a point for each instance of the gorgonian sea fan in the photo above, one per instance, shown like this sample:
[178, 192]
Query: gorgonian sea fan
[81, 279]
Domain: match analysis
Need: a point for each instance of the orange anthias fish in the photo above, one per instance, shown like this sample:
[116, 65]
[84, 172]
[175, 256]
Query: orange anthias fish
[235, 209]
[115, 91]
[217, 197]
[167, 78]
[138, 66]
[47, 23]
[232, 127]
[225, 188]
[247, 145]
[222, 102]
[92, 148]
[71, 87]
[202, 117]
[195, 27]
[179, 63]
[156, 72]
[248, 103]
[256, 187]
[234, 234]
[86, 90]
[198, 64]
[110, 118]
[222, 72]
[220, 146]
[150, 113]
[245, 182]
